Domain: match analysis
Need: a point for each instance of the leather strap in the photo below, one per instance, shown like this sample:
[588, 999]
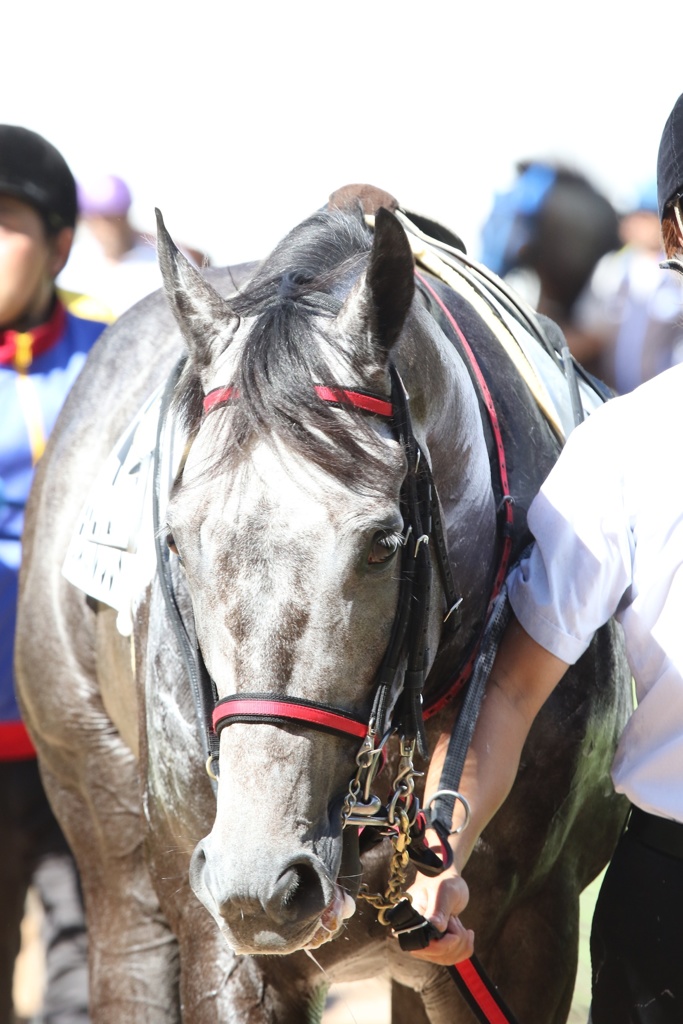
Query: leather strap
[415, 932]
[259, 707]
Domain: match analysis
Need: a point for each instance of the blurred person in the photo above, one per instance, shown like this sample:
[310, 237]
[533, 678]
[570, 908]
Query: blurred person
[608, 541]
[629, 316]
[545, 234]
[112, 260]
[43, 345]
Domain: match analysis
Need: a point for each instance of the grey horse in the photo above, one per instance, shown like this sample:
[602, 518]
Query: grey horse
[284, 538]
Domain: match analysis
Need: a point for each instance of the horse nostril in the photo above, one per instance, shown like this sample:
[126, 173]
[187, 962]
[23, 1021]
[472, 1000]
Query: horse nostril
[197, 866]
[298, 895]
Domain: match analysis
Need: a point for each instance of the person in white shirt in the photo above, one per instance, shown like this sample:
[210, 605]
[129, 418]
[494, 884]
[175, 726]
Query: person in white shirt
[608, 529]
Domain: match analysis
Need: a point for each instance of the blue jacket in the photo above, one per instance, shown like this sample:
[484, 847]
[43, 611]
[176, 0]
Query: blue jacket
[37, 369]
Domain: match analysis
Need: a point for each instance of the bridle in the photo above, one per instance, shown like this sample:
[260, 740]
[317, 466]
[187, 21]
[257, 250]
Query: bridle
[407, 645]
[400, 817]
[408, 640]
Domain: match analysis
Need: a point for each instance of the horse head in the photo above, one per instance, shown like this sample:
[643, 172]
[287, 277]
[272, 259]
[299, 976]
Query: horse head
[288, 518]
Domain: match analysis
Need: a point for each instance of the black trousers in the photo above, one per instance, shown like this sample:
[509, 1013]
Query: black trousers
[637, 934]
[33, 851]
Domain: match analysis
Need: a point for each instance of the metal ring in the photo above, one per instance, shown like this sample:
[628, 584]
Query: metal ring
[209, 767]
[457, 796]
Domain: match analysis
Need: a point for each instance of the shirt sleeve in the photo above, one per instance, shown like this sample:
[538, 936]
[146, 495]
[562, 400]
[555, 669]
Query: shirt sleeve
[580, 566]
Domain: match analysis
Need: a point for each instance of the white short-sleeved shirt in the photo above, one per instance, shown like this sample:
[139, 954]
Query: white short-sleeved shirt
[608, 524]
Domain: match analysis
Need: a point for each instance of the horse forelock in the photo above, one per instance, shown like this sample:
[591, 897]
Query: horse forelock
[289, 305]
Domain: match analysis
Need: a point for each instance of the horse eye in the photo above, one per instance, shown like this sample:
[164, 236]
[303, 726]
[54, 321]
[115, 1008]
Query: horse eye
[384, 547]
[171, 545]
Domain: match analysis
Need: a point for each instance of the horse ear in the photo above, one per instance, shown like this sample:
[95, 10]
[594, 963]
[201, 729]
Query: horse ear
[378, 304]
[206, 321]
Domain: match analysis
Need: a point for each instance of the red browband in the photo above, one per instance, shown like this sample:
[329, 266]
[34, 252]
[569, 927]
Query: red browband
[218, 396]
[340, 396]
[248, 708]
[360, 399]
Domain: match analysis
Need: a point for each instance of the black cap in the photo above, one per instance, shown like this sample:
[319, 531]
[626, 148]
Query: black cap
[670, 159]
[33, 170]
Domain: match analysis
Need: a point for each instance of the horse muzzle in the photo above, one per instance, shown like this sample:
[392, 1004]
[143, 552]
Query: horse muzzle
[270, 909]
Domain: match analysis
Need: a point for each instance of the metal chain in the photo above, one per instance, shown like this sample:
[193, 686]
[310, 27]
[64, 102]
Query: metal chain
[404, 784]
[398, 870]
[360, 806]
[397, 819]
[351, 799]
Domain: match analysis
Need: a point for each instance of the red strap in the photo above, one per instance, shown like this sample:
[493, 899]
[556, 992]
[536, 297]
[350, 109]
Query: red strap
[265, 708]
[341, 396]
[218, 396]
[344, 396]
[457, 684]
[480, 993]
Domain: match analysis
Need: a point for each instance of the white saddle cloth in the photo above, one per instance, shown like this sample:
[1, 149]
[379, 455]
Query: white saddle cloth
[112, 556]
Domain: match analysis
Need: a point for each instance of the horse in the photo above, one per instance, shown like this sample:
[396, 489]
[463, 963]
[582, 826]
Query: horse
[234, 893]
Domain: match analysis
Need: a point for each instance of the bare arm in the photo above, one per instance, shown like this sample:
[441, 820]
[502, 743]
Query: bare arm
[523, 677]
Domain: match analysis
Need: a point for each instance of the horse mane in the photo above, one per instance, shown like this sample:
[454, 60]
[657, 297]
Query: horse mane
[305, 277]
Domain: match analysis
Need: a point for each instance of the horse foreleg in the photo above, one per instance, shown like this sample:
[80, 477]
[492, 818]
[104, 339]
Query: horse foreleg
[219, 987]
[407, 1006]
[133, 961]
[423, 993]
[535, 957]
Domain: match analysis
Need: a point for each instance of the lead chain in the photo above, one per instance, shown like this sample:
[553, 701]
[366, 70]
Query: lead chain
[398, 869]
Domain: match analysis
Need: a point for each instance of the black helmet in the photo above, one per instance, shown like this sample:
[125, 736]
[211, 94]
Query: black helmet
[33, 170]
[670, 158]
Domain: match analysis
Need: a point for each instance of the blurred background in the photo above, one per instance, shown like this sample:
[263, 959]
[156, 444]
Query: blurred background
[237, 120]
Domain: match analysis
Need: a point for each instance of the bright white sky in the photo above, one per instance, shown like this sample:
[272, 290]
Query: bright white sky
[238, 120]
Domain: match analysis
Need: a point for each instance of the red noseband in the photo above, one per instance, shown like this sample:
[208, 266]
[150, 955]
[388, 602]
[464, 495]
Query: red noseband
[259, 708]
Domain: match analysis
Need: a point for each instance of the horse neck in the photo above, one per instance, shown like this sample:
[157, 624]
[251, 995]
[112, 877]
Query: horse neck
[448, 425]
[447, 420]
